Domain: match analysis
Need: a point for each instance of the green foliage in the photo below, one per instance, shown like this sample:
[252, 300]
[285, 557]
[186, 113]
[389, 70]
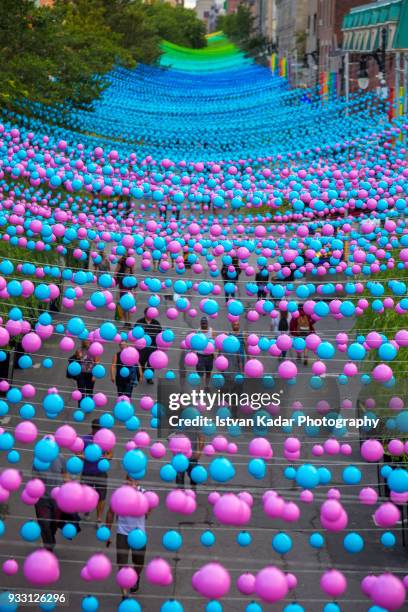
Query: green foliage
[239, 25]
[59, 55]
[177, 25]
[54, 55]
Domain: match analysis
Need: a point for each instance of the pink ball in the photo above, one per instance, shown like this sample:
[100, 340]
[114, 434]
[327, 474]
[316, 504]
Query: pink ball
[260, 447]
[368, 496]
[271, 584]
[99, 567]
[25, 432]
[372, 450]
[35, 488]
[287, 370]
[387, 515]
[31, 342]
[127, 501]
[254, 368]
[212, 581]
[142, 439]
[159, 360]
[333, 583]
[105, 438]
[246, 583]
[230, 510]
[10, 567]
[65, 436]
[129, 356]
[41, 567]
[157, 450]
[70, 496]
[126, 577]
[10, 479]
[388, 592]
[158, 572]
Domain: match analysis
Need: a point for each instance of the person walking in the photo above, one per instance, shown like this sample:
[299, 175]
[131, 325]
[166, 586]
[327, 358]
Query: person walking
[197, 444]
[50, 518]
[230, 274]
[124, 384]
[205, 361]
[124, 525]
[151, 329]
[261, 279]
[86, 380]
[300, 327]
[123, 270]
[92, 475]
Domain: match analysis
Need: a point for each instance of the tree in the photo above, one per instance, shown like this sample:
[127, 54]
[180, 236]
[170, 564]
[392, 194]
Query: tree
[177, 24]
[55, 55]
[239, 25]
[138, 32]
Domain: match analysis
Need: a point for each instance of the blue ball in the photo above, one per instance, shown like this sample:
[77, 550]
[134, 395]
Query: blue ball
[353, 543]
[137, 539]
[213, 606]
[168, 473]
[103, 533]
[2, 528]
[134, 461]
[307, 476]
[351, 475]
[293, 607]
[398, 480]
[180, 462]
[282, 543]
[5, 604]
[257, 468]
[46, 450]
[69, 531]
[198, 474]
[89, 604]
[253, 607]
[207, 539]
[388, 539]
[172, 540]
[244, 538]
[75, 465]
[92, 453]
[331, 607]
[129, 605]
[221, 469]
[316, 540]
[172, 605]
[30, 531]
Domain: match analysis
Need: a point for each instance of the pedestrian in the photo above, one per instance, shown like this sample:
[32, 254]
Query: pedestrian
[261, 279]
[205, 361]
[92, 475]
[124, 384]
[151, 329]
[103, 265]
[124, 525]
[230, 275]
[283, 328]
[197, 444]
[50, 518]
[236, 361]
[122, 271]
[300, 327]
[86, 380]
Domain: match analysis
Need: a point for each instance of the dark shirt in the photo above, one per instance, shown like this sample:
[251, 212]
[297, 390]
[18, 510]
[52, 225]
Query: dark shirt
[151, 329]
[90, 467]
